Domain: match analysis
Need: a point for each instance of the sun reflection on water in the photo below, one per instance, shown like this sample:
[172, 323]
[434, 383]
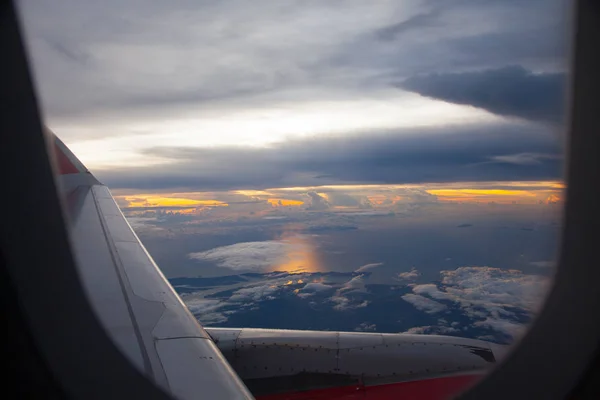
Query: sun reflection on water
[301, 255]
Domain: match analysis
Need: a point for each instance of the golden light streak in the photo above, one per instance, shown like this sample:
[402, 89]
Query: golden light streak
[479, 192]
[252, 193]
[428, 186]
[301, 256]
[379, 196]
[159, 201]
[277, 202]
[553, 198]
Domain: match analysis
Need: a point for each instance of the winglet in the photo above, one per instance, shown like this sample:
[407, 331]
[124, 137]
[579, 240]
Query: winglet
[66, 161]
[70, 172]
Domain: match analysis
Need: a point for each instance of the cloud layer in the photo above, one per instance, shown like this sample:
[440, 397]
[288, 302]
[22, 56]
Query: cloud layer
[479, 302]
[251, 256]
[111, 56]
[448, 154]
[495, 298]
[510, 91]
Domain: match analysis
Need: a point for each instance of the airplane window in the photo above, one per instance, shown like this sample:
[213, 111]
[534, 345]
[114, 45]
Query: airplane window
[359, 167]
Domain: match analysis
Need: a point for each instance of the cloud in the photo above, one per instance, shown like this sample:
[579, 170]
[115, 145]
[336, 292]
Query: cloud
[494, 288]
[343, 303]
[356, 284]
[467, 301]
[208, 311]
[416, 155]
[255, 293]
[215, 304]
[110, 56]
[411, 275]
[423, 303]
[317, 202]
[492, 297]
[509, 328]
[431, 290]
[316, 287]
[367, 267]
[523, 158]
[344, 298]
[173, 73]
[252, 256]
[509, 91]
[432, 330]
[366, 327]
[339, 199]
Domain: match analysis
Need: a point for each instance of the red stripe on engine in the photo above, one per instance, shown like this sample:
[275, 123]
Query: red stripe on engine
[355, 392]
[65, 166]
[425, 389]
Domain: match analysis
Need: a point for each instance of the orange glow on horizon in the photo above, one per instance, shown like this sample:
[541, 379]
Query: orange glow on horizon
[487, 195]
[553, 198]
[159, 201]
[285, 202]
[479, 192]
[379, 196]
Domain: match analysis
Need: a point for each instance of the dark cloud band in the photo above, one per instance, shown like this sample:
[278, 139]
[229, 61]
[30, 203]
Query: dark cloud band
[509, 91]
[444, 154]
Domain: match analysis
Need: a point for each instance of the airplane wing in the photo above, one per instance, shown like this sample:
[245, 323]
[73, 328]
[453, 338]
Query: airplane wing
[138, 307]
[149, 323]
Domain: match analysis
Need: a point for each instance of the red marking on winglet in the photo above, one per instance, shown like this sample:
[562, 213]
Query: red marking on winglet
[65, 166]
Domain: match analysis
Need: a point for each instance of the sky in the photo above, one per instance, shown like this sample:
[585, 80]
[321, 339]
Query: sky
[414, 141]
[201, 95]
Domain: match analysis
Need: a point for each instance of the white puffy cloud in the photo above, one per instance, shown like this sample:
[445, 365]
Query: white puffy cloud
[245, 296]
[316, 287]
[368, 267]
[431, 290]
[431, 330]
[310, 289]
[509, 328]
[491, 288]
[423, 303]
[213, 305]
[255, 256]
[343, 303]
[341, 300]
[207, 311]
[491, 296]
[356, 284]
[366, 327]
[317, 202]
[411, 275]
[255, 293]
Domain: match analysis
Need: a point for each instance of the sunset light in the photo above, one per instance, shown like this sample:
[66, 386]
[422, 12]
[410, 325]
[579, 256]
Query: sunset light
[158, 201]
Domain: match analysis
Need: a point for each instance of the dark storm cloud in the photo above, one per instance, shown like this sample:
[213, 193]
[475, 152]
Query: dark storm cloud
[112, 58]
[509, 91]
[445, 154]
